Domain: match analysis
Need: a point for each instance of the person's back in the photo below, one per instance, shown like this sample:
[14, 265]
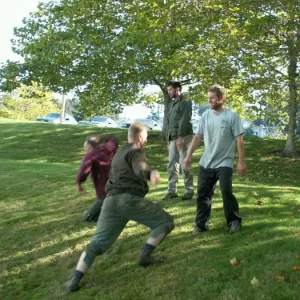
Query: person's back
[124, 174]
[96, 163]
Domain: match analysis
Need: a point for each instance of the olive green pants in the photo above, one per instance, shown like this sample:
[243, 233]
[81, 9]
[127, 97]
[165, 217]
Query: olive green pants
[117, 210]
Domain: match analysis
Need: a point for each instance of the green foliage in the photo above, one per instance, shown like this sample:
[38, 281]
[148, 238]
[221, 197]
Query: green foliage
[42, 234]
[93, 102]
[12, 74]
[27, 103]
[108, 51]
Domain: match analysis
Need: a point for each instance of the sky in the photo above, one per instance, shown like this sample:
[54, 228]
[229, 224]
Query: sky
[12, 12]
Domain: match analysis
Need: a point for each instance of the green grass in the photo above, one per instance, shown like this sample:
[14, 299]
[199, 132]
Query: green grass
[42, 235]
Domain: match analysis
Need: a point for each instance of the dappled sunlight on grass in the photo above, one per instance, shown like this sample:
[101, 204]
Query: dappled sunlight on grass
[43, 235]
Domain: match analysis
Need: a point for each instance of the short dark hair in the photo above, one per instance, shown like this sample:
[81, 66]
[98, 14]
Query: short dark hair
[175, 84]
[218, 89]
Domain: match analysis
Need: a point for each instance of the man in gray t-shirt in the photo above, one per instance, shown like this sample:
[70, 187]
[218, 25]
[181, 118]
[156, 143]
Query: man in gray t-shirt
[220, 128]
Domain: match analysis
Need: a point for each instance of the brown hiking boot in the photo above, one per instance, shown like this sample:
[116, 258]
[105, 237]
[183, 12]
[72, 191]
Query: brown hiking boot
[146, 259]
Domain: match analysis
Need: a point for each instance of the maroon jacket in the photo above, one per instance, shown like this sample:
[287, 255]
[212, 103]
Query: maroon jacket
[97, 164]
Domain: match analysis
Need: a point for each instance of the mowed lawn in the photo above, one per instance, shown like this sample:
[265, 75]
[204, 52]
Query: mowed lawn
[42, 234]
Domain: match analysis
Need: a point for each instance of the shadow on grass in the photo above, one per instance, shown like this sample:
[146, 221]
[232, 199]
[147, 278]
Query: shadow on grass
[42, 235]
[59, 252]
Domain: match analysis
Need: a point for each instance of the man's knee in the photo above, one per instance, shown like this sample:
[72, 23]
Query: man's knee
[169, 225]
[93, 249]
[226, 190]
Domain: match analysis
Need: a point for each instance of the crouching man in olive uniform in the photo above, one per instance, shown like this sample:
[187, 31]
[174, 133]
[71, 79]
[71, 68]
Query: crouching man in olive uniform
[126, 188]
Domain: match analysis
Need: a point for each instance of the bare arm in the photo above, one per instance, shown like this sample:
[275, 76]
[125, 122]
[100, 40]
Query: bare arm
[241, 166]
[193, 146]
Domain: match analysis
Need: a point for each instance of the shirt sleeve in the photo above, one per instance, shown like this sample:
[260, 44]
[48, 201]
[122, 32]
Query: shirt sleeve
[105, 157]
[200, 129]
[236, 126]
[185, 119]
[84, 169]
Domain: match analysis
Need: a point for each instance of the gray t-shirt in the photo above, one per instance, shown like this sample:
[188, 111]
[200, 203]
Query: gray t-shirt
[219, 133]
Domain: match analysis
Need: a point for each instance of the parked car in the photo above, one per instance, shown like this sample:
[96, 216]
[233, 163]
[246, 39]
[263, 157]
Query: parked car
[124, 124]
[151, 124]
[195, 124]
[84, 122]
[54, 118]
[102, 121]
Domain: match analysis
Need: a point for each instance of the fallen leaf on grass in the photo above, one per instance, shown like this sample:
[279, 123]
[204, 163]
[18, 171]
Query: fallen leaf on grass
[233, 261]
[296, 268]
[280, 278]
[259, 202]
[254, 281]
[254, 234]
[216, 241]
[253, 193]
[246, 243]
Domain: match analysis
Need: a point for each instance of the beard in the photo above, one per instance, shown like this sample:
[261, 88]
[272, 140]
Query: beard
[173, 95]
[215, 106]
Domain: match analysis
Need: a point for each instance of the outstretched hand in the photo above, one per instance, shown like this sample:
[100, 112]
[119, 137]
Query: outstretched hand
[154, 177]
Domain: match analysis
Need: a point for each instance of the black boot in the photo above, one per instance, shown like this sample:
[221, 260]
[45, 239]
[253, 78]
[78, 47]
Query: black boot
[146, 259]
[72, 285]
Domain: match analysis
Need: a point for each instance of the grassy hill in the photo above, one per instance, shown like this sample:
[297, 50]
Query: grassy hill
[42, 234]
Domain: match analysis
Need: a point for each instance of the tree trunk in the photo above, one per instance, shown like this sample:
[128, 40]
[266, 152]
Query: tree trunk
[290, 146]
[63, 106]
[166, 103]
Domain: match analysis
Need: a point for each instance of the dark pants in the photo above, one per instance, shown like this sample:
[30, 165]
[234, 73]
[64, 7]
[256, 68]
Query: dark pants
[94, 211]
[207, 180]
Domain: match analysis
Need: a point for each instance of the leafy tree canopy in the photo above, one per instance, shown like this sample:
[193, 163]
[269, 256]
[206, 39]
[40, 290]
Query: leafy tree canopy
[107, 51]
[27, 103]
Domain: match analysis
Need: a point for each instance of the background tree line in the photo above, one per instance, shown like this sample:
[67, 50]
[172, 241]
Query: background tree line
[106, 52]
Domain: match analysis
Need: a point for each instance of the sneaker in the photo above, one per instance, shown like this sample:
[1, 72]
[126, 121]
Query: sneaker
[235, 226]
[187, 196]
[146, 260]
[198, 230]
[170, 196]
[72, 285]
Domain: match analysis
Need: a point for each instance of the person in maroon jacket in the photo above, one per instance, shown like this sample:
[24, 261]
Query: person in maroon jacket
[96, 163]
